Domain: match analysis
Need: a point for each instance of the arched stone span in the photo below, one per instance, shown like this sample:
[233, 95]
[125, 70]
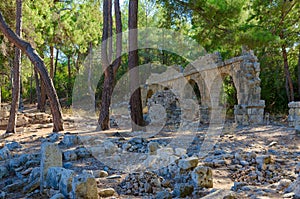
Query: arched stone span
[206, 72]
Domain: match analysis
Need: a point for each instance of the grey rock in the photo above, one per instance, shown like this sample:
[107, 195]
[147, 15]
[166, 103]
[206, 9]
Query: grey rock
[53, 177]
[84, 186]
[238, 185]
[153, 147]
[283, 183]
[53, 137]
[58, 196]
[82, 152]
[2, 195]
[69, 155]
[3, 171]
[4, 153]
[65, 183]
[68, 165]
[34, 174]
[15, 186]
[202, 176]
[51, 157]
[13, 145]
[183, 190]
[163, 195]
[35, 184]
[188, 163]
[70, 140]
[107, 192]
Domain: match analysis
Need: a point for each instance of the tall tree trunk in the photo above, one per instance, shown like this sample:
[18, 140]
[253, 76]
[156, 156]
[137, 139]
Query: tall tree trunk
[11, 127]
[21, 104]
[37, 89]
[287, 73]
[110, 70]
[43, 97]
[31, 80]
[69, 77]
[135, 100]
[41, 68]
[51, 62]
[299, 72]
[103, 122]
[56, 61]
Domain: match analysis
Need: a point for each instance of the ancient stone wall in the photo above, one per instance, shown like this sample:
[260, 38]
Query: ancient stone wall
[208, 72]
[294, 114]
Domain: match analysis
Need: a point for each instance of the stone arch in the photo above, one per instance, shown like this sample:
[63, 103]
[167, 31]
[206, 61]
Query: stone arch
[229, 94]
[193, 93]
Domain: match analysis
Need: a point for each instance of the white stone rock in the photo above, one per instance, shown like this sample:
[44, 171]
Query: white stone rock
[202, 176]
[51, 156]
[188, 163]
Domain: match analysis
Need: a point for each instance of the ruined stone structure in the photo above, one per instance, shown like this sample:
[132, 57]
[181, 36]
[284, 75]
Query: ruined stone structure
[208, 72]
[294, 114]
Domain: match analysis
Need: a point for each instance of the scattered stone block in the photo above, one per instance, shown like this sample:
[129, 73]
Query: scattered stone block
[163, 195]
[84, 186]
[69, 155]
[153, 147]
[58, 196]
[188, 163]
[202, 176]
[4, 153]
[183, 190]
[107, 192]
[70, 140]
[3, 172]
[51, 156]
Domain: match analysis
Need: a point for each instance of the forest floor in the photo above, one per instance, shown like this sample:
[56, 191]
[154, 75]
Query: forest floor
[230, 160]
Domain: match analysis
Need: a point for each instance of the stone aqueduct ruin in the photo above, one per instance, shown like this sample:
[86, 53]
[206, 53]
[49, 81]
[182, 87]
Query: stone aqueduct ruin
[208, 73]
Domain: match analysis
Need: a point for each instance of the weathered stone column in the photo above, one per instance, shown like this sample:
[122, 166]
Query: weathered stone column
[294, 115]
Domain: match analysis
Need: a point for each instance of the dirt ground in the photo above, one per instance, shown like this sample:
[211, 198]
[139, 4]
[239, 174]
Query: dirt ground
[257, 139]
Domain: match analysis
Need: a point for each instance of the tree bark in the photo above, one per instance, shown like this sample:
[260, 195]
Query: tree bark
[43, 97]
[56, 61]
[135, 100]
[299, 72]
[37, 89]
[41, 68]
[51, 62]
[69, 77]
[287, 74]
[11, 127]
[110, 70]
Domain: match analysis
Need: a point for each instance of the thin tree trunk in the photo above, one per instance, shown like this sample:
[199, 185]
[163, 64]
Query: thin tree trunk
[103, 122]
[56, 61]
[287, 74]
[43, 97]
[41, 68]
[110, 70]
[51, 62]
[11, 127]
[37, 89]
[299, 72]
[69, 77]
[21, 104]
[135, 100]
[31, 93]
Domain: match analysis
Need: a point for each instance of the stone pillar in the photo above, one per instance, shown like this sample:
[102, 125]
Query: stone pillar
[294, 114]
[51, 156]
[249, 114]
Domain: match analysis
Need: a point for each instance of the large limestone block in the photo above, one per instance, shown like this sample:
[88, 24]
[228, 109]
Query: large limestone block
[202, 176]
[51, 156]
[84, 186]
